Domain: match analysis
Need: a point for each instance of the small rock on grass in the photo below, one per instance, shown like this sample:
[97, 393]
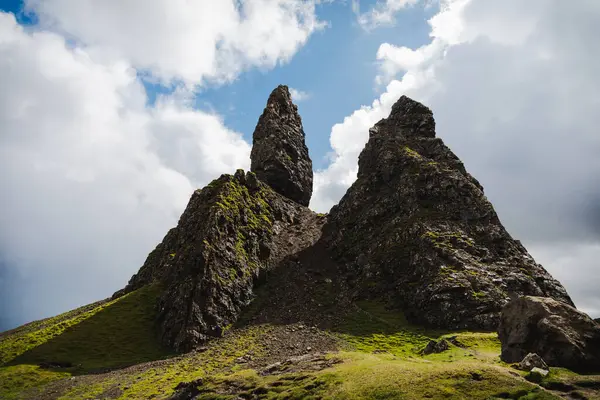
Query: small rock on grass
[436, 347]
[532, 360]
[536, 375]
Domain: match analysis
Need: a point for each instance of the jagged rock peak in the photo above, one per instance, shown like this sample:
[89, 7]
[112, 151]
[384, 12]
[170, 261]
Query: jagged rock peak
[416, 229]
[410, 118]
[279, 154]
[207, 265]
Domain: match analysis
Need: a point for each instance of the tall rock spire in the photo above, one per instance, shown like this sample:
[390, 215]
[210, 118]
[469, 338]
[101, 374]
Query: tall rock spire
[415, 228]
[279, 155]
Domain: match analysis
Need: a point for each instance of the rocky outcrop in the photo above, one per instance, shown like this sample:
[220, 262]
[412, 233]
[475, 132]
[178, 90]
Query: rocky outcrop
[231, 232]
[562, 335]
[416, 229]
[279, 155]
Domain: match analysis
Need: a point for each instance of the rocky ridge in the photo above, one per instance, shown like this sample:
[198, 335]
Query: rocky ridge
[415, 231]
[416, 228]
[257, 292]
[231, 232]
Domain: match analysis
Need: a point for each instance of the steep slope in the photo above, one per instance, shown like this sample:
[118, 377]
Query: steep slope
[416, 228]
[228, 235]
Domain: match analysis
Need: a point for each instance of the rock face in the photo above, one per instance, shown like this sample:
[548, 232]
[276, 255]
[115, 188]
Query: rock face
[559, 333]
[279, 155]
[416, 229]
[232, 230]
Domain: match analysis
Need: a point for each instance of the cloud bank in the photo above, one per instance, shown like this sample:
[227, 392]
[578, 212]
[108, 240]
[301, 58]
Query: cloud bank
[92, 176]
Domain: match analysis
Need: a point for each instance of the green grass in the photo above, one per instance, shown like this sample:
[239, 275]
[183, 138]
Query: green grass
[115, 334]
[17, 341]
[377, 376]
[381, 360]
[373, 328]
[15, 380]
[159, 381]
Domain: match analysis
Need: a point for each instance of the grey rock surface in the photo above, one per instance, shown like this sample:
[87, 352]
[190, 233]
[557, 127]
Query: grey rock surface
[531, 361]
[279, 155]
[416, 229]
[562, 335]
[231, 232]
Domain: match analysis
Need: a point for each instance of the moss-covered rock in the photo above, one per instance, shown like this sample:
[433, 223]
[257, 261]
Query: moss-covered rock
[225, 239]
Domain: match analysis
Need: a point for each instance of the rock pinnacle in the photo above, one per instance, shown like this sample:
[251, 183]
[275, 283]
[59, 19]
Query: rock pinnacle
[279, 155]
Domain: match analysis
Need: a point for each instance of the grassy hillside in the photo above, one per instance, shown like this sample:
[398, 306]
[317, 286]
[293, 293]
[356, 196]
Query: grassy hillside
[104, 335]
[378, 357]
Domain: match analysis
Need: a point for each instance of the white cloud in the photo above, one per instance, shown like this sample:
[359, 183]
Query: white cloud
[192, 41]
[382, 13]
[299, 95]
[92, 178]
[514, 91]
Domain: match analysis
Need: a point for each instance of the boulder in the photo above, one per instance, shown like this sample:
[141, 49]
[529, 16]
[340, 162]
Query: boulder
[279, 155]
[187, 390]
[559, 333]
[531, 361]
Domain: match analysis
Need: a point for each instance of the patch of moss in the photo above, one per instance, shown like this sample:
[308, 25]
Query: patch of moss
[448, 240]
[14, 380]
[18, 341]
[116, 334]
[377, 376]
[411, 153]
[248, 384]
[159, 381]
[370, 376]
[372, 327]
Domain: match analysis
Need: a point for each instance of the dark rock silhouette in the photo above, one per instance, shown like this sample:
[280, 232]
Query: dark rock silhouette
[279, 155]
[416, 229]
[231, 231]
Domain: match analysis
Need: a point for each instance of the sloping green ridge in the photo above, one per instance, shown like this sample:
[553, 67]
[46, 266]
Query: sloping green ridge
[116, 334]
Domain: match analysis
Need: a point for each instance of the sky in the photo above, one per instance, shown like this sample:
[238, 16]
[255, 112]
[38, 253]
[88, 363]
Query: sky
[112, 113]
